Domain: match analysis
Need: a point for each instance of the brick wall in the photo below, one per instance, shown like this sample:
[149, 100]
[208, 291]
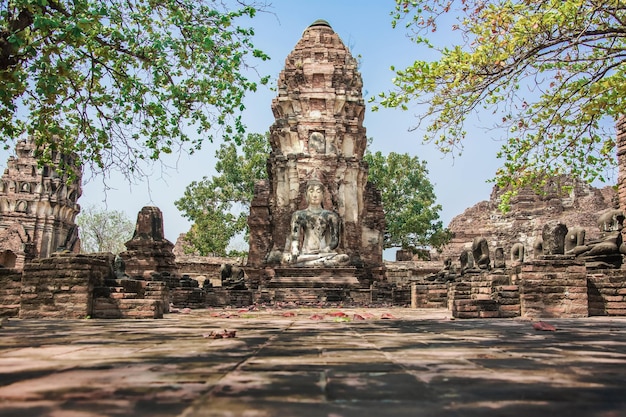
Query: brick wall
[61, 286]
[606, 291]
[484, 295]
[429, 295]
[10, 290]
[553, 288]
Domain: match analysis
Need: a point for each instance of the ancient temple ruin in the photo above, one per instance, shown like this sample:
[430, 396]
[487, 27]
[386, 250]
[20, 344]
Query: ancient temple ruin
[149, 251]
[316, 231]
[318, 139]
[38, 207]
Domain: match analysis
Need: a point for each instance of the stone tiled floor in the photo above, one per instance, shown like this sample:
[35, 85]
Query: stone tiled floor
[419, 363]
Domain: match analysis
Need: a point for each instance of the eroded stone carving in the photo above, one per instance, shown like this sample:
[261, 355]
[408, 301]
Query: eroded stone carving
[233, 277]
[480, 252]
[575, 241]
[538, 247]
[499, 262]
[119, 267]
[553, 237]
[37, 206]
[447, 273]
[517, 252]
[467, 261]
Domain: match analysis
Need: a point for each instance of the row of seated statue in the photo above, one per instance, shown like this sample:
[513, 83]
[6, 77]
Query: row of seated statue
[606, 251]
[556, 239]
[610, 242]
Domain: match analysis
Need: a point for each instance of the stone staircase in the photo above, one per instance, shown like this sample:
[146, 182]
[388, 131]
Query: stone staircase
[130, 298]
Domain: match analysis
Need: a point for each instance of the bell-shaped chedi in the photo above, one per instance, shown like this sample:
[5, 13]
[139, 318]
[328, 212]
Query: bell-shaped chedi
[318, 138]
[38, 207]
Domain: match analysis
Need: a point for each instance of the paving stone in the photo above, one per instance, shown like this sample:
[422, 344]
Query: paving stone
[419, 364]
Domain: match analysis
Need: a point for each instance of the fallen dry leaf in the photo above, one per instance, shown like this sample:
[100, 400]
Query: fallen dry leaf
[358, 317]
[289, 314]
[220, 334]
[388, 316]
[338, 314]
[316, 317]
[542, 325]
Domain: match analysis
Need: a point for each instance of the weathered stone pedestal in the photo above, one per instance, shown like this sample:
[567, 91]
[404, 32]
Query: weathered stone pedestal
[554, 286]
[312, 285]
[603, 262]
[336, 277]
[429, 295]
[483, 295]
[606, 292]
[130, 298]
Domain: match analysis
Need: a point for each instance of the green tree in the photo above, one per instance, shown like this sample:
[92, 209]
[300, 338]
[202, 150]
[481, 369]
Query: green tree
[552, 71]
[103, 230]
[409, 201]
[211, 203]
[118, 82]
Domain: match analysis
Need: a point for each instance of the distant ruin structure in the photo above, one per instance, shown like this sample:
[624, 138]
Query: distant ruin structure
[38, 207]
[523, 223]
[318, 136]
[149, 251]
[316, 231]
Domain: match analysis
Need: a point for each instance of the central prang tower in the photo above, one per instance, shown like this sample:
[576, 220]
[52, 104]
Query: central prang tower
[318, 135]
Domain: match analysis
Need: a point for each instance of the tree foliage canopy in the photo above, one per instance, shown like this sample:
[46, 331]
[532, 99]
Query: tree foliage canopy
[409, 201]
[551, 70]
[103, 230]
[212, 203]
[118, 82]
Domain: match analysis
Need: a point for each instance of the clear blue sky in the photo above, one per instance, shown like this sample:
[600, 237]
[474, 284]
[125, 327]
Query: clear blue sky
[364, 26]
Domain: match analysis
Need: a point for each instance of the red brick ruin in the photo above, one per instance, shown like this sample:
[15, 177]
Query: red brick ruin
[554, 255]
[38, 206]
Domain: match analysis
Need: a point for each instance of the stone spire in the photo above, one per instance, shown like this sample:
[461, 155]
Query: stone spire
[319, 109]
[318, 133]
[38, 208]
